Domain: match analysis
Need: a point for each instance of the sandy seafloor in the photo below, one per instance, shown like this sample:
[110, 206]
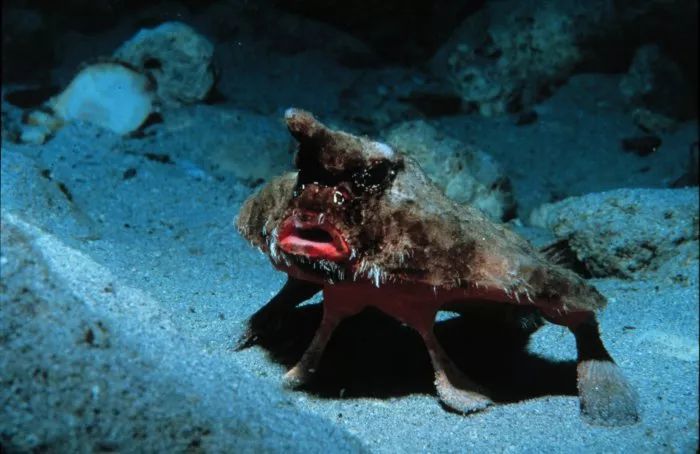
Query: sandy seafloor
[165, 234]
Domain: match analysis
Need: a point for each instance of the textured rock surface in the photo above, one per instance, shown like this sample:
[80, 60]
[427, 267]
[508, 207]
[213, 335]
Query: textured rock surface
[177, 57]
[507, 54]
[628, 232]
[109, 95]
[511, 53]
[90, 363]
[466, 174]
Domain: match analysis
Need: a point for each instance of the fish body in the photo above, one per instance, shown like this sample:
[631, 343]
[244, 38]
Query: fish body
[362, 223]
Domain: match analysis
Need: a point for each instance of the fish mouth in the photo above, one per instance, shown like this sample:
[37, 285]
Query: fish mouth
[313, 239]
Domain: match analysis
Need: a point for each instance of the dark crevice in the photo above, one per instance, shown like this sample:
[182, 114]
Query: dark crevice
[31, 97]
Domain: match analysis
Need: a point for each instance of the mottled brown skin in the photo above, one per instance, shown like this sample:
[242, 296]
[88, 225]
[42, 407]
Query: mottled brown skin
[362, 223]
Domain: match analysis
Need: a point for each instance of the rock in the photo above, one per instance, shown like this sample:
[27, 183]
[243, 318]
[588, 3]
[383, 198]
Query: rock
[512, 53]
[627, 233]
[118, 95]
[506, 55]
[11, 124]
[656, 90]
[34, 134]
[466, 174]
[109, 95]
[90, 363]
[177, 57]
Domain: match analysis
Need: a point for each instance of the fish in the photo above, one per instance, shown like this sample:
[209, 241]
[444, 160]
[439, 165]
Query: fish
[360, 222]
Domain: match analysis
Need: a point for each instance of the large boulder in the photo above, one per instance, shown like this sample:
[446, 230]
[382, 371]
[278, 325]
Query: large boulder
[628, 233]
[177, 57]
[510, 52]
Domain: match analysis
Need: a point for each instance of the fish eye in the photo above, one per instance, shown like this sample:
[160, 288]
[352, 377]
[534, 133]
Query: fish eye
[372, 178]
[340, 196]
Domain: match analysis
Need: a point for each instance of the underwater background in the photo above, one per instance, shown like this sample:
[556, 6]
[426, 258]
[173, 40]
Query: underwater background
[133, 131]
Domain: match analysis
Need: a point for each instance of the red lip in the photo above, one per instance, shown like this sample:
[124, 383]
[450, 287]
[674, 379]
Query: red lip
[312, 239]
